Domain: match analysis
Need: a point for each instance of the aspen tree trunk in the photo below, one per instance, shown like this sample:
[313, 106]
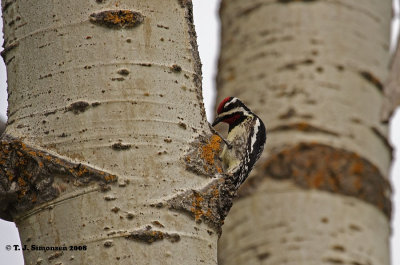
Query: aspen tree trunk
[313, 71]
[104, 101]
[2, 126]
[392, 86]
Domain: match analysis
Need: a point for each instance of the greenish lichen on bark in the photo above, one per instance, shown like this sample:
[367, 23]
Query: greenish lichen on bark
[27, 176]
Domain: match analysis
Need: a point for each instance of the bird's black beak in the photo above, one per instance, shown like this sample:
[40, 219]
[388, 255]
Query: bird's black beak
[217, 120]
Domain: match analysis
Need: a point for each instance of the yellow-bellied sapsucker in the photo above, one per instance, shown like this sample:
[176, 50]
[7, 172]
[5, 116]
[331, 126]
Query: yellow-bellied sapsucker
[245, 141]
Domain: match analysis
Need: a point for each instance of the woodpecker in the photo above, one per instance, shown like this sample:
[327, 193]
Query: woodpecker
[245, 141]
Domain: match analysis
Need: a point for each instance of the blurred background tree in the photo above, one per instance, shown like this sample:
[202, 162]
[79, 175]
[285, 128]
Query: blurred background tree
[314, 71]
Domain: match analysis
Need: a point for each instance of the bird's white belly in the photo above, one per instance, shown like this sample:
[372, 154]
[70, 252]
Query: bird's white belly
[232, 157]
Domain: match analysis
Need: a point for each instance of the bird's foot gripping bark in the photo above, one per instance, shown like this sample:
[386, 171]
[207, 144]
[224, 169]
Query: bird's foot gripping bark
[30, 176]
[212, 202]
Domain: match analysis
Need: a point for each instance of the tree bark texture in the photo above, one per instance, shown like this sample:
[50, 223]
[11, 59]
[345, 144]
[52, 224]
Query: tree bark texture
[2, 126]
[392, 87]
[313, 71]
[105, 105]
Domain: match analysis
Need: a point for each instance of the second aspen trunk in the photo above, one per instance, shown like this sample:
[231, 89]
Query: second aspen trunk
[314, 72]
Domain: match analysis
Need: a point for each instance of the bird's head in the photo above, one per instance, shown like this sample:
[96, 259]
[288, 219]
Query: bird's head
[231, 110]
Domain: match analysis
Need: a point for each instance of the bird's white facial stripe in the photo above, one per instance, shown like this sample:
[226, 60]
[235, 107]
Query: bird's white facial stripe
[254, 136]
[238, 109]
[231, 102]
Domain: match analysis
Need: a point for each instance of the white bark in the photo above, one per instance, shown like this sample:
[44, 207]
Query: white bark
[313, 71]
[282, 224]
[123, 100]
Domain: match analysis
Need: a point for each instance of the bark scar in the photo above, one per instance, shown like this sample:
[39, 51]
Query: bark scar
[149, 236]
[27, 176]
[8, 48]
[372, 79]
[203, 157]
[212, 202]
[322, 167]
[117, 18]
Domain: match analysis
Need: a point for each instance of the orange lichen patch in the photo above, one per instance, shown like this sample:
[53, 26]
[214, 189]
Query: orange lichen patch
[210, 204]
[302, 126]
[200, 207]
[357, 167]
[9, 175]
[333, 184]
[318, 166]
[317, 179]
[21, 182]
[27, 175]
[20, 162]
[21, 193]
[358, 183]
[157, 234]
[215, 191]
[81, 171]
[110, 178]
[32, 153]
[196, 206]
[117, 18]
[208, 213]
[202, 157]
[210, 150]
[34, 198]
